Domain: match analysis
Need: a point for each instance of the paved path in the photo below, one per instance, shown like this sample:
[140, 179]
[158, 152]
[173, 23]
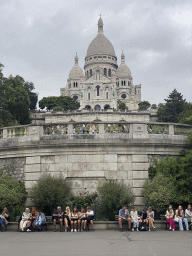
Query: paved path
[107, 242]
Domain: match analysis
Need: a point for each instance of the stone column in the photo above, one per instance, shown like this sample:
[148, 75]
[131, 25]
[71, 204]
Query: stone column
[171, 129]
[5, 135]
[70, 128]
[101, 128]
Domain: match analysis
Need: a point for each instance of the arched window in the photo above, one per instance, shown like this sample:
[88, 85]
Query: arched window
[122, 83]
[107, 95]
[97, 87]
[74, 84]
[87, 74]
[123, 96]
[109, 72]
[118, 84]
[70, 85]
[105, 71]
[89, 95]
[75, 97]
[90, 72]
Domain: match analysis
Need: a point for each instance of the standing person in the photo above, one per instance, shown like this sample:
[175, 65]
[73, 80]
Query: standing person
[150, 216]
[170, 218]
[40, 219]
[188, 213]
[25, 222]
[90, 217]
[135, 218]
[143, 220]
[4, 217]
[67, 215]
[124, 216]
[58, 218]
[74, 219]
[180, 217]
[82, 219]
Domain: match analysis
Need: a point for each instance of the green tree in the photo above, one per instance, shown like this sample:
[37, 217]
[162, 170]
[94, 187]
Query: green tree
[144, 105]
[84, 200]
[112, 196]
[159, 192]
[185, 116]
[65, 102]
[179, 171]
[170, 111]
[49, 192]
[12, 194]
[122, 106]
[154, 106]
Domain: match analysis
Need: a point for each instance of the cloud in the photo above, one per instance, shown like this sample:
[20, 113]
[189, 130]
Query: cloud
[39, 40]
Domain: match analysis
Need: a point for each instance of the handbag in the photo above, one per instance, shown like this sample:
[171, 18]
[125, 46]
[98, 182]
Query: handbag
[176, 219]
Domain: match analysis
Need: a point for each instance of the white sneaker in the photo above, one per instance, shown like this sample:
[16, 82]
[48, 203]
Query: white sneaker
[75, 230]
[137, 229]
[173, 229]
[153, 227]
[187, 229]
[170, 228]
[79, 230]
[22, 229]
[149, 230]
[71, 230]
[133, 229]
[28, 230]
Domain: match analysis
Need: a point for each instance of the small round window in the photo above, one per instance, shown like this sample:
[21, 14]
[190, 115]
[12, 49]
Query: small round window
[75, 97]
[123, 96]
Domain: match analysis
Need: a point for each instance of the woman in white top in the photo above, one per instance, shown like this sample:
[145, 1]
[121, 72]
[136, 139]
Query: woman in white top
[74, 219]
[188, 213]
[180, 217]
[135, 219]
[25, 222]
[150, 217]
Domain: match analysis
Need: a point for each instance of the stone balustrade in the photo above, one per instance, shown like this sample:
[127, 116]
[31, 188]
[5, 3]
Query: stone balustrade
[95, 127]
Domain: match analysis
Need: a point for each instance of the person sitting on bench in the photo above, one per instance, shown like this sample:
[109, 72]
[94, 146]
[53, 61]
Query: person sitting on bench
[40, 219]
[135, 219]
[58, 218]
[4, 217]
[143, 220]
[90, 217]
[150, 216]
[124, 216]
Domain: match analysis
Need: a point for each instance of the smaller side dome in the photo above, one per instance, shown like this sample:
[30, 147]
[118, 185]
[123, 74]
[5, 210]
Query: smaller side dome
[76, 71]
[123, 70]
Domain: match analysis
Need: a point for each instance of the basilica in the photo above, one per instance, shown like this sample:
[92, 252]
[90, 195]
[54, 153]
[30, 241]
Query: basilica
[104, 84]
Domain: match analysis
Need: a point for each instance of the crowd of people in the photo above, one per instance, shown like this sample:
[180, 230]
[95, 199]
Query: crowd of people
[78, 220]
[146, 218]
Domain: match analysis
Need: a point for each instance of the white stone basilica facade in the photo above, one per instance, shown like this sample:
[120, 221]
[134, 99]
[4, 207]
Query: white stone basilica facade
[104, 84]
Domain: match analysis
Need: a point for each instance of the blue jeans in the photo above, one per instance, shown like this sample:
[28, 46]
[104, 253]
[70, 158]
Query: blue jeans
[181, 223]
[38, 224]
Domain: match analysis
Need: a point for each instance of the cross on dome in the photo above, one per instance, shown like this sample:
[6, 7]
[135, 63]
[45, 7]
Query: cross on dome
[100, 25]
[76, 59]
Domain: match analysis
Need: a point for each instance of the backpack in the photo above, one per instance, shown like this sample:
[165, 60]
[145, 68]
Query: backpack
[143, 227]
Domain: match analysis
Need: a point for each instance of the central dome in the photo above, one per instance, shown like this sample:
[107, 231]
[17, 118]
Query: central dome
[100, 44]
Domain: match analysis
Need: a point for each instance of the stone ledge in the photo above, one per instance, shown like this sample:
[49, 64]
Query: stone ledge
[98, 225]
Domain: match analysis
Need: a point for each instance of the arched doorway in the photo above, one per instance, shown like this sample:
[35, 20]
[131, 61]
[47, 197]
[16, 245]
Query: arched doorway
[97, 107]
[107, 106]
[88, 107]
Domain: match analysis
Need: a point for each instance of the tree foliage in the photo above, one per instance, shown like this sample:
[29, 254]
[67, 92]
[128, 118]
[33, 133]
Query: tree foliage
[64, 102]
[154, 106]
[170, 111]
[49, 192]
[112, 195]
[84, 200]
[179, 171]
[186, 115]
[12, 193]
[16, 98]
[122, 106]
[144, 105]
[159, 192]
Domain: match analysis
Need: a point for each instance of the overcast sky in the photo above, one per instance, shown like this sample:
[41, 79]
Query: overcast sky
[39, 39]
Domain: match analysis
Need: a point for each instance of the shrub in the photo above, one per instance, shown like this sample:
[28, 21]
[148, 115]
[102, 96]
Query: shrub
[12, 194]
[84, 200]
[159, 192]
[49, 192]
[112, 196]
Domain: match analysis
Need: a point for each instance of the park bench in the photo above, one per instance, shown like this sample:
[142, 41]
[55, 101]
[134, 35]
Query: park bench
[44, 224]
[162, 217]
